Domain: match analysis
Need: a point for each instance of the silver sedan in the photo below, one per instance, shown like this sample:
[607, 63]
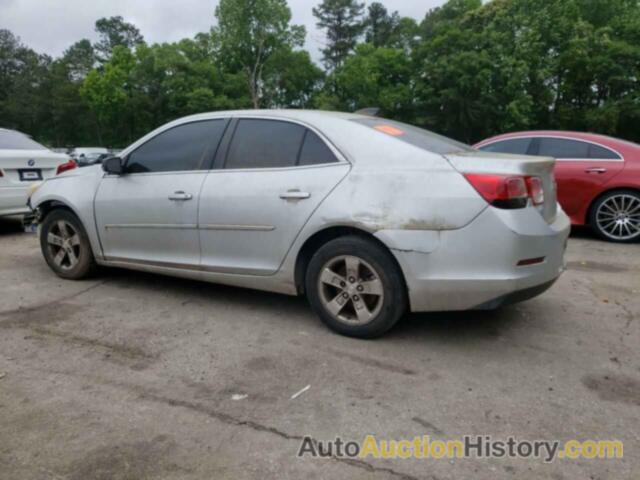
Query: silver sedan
[369, 218]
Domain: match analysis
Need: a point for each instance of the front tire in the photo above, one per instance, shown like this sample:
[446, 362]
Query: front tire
[356, 288]
[65, 245]
[616, 216]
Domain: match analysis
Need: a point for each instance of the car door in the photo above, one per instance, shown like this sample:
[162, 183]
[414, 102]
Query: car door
[267, 182]
[149, 214]
[581, 169]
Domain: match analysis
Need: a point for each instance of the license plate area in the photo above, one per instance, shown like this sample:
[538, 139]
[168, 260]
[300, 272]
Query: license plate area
[30, 175]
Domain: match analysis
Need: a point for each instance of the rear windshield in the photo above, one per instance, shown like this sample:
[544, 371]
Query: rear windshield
[12, 140]
[417, 137]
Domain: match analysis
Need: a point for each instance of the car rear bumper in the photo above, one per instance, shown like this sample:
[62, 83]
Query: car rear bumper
[476, 267]
[13, 200]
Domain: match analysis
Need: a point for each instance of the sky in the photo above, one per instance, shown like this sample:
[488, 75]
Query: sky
[51, 26]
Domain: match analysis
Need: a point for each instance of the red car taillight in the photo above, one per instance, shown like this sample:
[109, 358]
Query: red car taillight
[507, 191]
[70, 165]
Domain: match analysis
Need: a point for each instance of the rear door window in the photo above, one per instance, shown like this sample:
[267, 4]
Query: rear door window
[563, 148]
[315, 151]
[259, 143]
[601, 153]
[516, 146]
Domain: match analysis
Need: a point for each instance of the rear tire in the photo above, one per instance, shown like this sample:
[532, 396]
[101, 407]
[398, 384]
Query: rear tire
[65, 245]
[615, 216]
[356, 288]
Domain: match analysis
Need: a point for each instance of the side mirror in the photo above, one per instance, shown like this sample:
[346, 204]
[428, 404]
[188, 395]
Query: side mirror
[113, 166]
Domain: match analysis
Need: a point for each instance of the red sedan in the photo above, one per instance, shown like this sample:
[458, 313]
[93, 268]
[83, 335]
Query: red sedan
[598, 177]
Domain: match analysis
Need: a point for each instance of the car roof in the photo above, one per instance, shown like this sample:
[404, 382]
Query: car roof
[290, 114]
[352, 139]
[586, 136]
[13, 131]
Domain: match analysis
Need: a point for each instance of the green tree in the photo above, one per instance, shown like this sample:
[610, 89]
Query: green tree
[71, 121]
[108, 94]
[514, 64]
[342, 20]
[24, 76]
[115, 32]
[379, 26]
[249, 33]
[375, 77]
[291, 80]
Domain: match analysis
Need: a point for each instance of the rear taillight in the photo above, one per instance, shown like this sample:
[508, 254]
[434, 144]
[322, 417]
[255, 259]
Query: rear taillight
[536, 192]
[507, 191]
[501, 191]
[70, 165]
[1, 174]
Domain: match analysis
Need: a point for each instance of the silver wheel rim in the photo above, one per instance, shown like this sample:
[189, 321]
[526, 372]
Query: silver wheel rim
[619, 217]
[63, 242]
[351, 290]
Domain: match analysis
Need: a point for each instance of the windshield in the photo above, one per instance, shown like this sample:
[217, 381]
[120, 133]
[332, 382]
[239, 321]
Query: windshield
[12, 140]
[417, 137]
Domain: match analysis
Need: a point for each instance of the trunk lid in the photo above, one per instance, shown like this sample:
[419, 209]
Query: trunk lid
[21, 167]
[518, 165]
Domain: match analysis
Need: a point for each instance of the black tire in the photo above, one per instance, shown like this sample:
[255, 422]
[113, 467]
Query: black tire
[84, 264]
[603, 206]
[377, 264]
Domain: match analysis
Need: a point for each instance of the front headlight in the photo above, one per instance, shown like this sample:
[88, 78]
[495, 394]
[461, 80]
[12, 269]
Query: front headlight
[33, 188]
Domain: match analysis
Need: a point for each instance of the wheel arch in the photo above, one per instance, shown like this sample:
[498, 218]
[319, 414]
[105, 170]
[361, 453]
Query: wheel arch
[320, 238]
[46, 207]
[608, 191]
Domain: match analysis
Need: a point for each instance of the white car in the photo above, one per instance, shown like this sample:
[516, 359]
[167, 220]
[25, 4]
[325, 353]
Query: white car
[24, 162]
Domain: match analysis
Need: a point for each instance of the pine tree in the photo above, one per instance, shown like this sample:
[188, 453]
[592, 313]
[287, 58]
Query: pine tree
[342, 20]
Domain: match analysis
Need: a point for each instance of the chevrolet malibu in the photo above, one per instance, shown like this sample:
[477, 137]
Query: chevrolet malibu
[367, 217]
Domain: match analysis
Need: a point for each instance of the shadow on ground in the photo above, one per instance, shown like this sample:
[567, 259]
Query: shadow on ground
[11, 225]
[437, 326]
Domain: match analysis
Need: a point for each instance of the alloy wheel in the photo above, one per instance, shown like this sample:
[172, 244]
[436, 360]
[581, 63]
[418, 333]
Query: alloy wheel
[351, 290]
[618, 217]
[63, 242]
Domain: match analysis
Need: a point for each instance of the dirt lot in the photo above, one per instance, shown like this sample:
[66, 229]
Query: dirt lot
[135, 376]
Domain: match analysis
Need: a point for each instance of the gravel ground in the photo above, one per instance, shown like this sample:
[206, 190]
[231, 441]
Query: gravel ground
[136, 376]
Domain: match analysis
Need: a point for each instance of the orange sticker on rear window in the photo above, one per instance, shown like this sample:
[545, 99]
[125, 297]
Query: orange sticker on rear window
[389, 130]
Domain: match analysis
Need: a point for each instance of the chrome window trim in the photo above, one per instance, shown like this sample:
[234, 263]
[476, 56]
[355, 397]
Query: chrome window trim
[564, 137]
[148, 174]
[278, 169]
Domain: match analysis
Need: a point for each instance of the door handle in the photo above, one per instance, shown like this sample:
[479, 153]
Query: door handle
[597, 170]
[180, 196]
[295, 195]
